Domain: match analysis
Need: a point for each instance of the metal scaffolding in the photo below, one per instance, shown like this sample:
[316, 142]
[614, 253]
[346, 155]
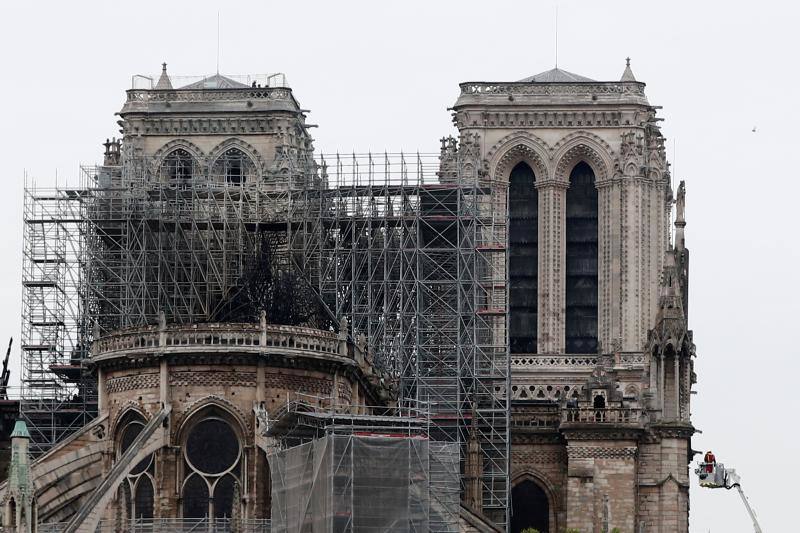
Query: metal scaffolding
[55, 399]
[413, 251]
[410, 249]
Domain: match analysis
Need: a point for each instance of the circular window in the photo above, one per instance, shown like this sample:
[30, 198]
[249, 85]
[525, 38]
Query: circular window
[212, 446]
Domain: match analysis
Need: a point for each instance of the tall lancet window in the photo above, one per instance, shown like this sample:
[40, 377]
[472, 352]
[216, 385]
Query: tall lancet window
[523, 236]
[581, 275]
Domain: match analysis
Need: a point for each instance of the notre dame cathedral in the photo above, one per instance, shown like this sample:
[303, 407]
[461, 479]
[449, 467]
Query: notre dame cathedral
[492, 338]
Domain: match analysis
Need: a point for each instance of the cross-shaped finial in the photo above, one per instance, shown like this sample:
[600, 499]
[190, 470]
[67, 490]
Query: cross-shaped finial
[164, 67]
[627, 61]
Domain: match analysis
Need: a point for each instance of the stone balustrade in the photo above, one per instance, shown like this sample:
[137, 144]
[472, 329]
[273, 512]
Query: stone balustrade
[538, 362]
[217, 337]
[540, 417]
[559, 362]
[608, 415]
[207, 95]
[631, 359]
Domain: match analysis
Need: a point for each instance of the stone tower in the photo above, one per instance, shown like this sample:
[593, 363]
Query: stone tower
[216, 127]
[600, 350]
[19, 498]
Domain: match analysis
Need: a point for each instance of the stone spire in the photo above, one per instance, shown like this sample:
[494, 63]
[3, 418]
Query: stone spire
[19, 500]
[164, 82]
[680, 217]
[628, 74]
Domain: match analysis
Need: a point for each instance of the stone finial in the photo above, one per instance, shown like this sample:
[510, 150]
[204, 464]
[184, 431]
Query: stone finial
[162, 321]
[164, 83]
[627, 75]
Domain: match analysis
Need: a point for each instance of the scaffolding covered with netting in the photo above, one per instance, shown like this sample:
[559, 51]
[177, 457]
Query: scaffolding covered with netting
[409, 249]
[345, 483]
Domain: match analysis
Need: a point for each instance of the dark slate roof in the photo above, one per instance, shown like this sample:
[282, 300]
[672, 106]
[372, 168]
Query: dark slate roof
[217, 81]
[555, 75]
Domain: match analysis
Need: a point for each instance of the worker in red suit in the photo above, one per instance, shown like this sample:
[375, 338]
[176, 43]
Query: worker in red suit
[710, 461]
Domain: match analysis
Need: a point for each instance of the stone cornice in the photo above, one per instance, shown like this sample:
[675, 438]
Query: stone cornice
[577, 432]
[674, 430]
[209, 100]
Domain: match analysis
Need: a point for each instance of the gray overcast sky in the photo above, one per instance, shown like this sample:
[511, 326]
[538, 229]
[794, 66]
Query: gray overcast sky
[379, 75]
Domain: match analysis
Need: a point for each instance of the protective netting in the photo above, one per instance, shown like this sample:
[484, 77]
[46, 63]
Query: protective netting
[356, 483]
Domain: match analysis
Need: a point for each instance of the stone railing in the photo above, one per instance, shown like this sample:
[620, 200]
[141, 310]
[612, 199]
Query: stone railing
[209, 95]
[540, 417]
[218, 337]
[559, 362]
[549, 89]
[609, 415]
[630, 359]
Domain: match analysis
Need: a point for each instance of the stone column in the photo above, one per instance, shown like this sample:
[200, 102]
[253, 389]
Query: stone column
[101, 391]
[631, 226]
[552, 250]
[164, 382]
[608, 263]
[661, 382]
[677, 387]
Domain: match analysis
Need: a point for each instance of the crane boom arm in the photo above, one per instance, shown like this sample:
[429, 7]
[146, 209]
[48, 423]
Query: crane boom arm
[749, 509]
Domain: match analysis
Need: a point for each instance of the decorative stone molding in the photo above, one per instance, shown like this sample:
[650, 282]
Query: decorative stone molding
[677, 431]
[245, 427]
[127, 408]
[211, 378]
[522, 391]
[561, 362]
[135, 382]
[209, 95]
[601, 452]
[612, 432]
[582, 146]
[246, 148]
[523, 457]
[175, 144]
[514, 148]
[551, 89]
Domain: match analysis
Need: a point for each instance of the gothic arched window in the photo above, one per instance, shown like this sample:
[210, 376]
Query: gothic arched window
[212, 457]
[523, 237]
[233, 167]
[178, 166]
[139, 493]
[581, 262]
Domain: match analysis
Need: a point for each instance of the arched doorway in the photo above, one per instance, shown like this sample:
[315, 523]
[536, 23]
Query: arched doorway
[530, 507]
